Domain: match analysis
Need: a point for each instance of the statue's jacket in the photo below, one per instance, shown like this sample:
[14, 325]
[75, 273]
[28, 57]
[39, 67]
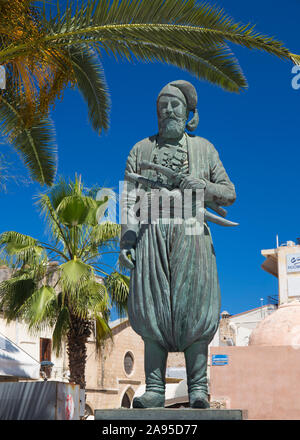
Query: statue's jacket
[174, 295]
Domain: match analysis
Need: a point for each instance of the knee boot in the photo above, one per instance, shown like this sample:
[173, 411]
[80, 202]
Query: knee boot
[155, 371]
[196, 370]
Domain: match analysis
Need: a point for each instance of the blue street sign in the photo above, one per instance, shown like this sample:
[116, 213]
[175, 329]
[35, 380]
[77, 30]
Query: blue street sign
[219, 359]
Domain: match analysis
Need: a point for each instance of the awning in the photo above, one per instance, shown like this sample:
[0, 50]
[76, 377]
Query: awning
[15, 362]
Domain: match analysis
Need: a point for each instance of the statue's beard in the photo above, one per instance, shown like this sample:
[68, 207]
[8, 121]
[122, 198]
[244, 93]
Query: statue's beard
[171, 128]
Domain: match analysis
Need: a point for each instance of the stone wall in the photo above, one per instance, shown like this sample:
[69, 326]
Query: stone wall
[176, 360]
[107, 380]
[225, 331]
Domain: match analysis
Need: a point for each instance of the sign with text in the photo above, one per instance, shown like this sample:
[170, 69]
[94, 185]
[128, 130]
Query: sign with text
[219, 359]
[293, 263]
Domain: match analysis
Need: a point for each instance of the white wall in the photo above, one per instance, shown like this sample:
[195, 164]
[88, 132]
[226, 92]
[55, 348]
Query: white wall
[18, 333]
[243, 324]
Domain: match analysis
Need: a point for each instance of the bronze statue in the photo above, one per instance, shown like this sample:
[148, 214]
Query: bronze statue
[174, 298]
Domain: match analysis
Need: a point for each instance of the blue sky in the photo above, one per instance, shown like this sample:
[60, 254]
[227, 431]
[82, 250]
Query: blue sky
[256, 133]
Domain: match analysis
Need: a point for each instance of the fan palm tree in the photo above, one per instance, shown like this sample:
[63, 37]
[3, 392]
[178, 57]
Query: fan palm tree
[63, 284]
[44, 51]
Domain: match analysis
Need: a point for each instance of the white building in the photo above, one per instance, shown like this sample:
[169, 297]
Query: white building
[38, 346]
[236, 329]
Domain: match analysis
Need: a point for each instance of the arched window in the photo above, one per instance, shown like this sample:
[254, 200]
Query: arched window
[126, 403]
[87, 411]
[127, 398]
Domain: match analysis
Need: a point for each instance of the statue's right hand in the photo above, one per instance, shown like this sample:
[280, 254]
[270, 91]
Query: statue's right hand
[127, 258]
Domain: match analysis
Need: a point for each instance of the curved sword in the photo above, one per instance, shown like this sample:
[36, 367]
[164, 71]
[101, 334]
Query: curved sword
[208, 216]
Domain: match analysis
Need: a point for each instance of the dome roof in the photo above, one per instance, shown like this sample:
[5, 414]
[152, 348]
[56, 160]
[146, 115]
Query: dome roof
[282, 327]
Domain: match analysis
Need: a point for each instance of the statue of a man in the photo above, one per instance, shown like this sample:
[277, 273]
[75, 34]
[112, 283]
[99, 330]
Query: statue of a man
[174, 297]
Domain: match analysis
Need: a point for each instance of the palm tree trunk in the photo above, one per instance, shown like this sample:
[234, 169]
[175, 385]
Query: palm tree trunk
[77, 337]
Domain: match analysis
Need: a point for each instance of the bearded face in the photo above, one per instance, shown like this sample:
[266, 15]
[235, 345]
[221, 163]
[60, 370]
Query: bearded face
[172, 117]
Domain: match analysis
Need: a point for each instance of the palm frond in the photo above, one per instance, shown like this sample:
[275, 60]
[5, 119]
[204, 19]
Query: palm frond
[59, 191]
[22, 249]
[13, 293]
[35, 144]
[91, 83]
[48, 203]
[74, 271]
[186, 26]
[17, 239]
[296, 59]
[77, 210]
[178, 18]
[105, 232]
[216, 65]
[93, 300]
[52, 221]
[36, 308]
[102, 331]
[60, 329]
[118, 286]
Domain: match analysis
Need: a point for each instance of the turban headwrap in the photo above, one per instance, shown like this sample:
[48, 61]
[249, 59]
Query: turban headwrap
[186, 92]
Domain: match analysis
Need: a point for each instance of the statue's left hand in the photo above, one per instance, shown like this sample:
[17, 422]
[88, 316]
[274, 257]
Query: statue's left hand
[190, 182]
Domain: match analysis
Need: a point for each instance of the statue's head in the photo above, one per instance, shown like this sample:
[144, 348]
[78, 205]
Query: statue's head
[174, 103]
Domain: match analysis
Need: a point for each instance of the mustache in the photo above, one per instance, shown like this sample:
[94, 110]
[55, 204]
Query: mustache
[173, 118]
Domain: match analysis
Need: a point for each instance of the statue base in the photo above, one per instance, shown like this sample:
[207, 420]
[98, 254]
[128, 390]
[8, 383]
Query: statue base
[170, 414]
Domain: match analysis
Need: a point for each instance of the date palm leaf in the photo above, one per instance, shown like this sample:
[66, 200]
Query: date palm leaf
[90, 80]
[159, 22]
[56, 46]
[187, 26]
[35, 143]
[218, 65]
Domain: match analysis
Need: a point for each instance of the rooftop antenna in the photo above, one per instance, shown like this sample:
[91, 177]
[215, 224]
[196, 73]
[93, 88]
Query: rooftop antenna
[277, 241]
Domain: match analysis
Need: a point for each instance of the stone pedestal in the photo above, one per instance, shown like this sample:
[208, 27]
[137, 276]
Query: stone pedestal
[175, 414]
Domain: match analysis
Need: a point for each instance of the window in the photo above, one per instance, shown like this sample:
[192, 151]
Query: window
[45, 349]
[128, 363]
[45, 355]
[127, 398]
[126, 401]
